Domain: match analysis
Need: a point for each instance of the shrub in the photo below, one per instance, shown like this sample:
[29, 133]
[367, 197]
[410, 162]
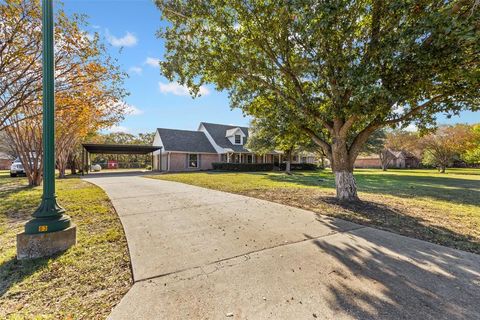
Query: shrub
[260, 166]
[299, 166]
[242, 166]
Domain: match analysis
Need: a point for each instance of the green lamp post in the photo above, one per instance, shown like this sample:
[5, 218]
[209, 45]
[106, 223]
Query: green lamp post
[49, 217]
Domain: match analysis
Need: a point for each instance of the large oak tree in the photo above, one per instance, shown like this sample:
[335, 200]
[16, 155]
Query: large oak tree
[343, 68]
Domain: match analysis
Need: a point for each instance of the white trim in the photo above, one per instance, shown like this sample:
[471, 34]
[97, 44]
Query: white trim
[157, 142]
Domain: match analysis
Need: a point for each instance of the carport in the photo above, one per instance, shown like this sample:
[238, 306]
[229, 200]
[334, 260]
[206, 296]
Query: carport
[91, 148]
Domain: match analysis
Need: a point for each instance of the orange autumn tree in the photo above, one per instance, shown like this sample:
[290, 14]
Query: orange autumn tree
[445, 145]
[89, 83]
[91, 107]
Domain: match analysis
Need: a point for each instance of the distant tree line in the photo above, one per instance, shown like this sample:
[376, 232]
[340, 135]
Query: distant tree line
[445, 146]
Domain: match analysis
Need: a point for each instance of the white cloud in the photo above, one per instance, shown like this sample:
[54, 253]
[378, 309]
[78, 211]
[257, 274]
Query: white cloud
[128, 40]
[132, 110]
[117, 129]
[153, 62]
[411, 127]
[179, 90]
[136, 70]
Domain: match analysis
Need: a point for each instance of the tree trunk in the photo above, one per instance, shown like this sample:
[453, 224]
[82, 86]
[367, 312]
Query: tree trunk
[346, 186]
[342, 167]
[289, 161]
[61, 174]
[61, 165]
[73, 165]
[442, 169]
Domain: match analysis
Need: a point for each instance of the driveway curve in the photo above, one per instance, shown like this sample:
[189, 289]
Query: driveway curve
[204, 254]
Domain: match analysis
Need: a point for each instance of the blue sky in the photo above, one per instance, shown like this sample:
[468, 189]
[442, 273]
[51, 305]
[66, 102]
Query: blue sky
[129, 26]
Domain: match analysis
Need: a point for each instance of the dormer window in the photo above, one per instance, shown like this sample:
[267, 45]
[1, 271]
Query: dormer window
[238, 139]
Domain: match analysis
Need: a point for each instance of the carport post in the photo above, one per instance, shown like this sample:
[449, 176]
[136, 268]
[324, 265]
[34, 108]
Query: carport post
[49, 217]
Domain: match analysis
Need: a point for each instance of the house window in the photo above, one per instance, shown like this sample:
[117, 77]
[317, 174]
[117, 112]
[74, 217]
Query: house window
[193, 160]
[238, 139]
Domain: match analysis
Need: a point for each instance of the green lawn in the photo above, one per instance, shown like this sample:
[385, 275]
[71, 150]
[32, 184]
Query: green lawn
[441, 208]
[84, 282]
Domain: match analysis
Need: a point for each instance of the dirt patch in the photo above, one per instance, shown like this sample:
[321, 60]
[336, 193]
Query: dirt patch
[403, 216]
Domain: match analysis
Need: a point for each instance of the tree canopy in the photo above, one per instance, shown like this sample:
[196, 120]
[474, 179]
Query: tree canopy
[343, 69]
[88, 83]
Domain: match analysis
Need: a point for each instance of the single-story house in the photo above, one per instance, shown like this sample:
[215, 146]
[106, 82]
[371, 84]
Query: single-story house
[399, 160]
[5, 161]
[185, 150]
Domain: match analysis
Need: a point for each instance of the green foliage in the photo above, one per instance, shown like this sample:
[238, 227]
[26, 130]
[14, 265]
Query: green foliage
[340, 70]
[252, 167]
[244, 167]
[276, 134]
[375, 143]
[335, 70]
[300, 166]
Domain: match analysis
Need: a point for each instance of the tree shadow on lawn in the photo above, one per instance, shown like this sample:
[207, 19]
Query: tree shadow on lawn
[380, 276]
[384, 217]
[13, 271]
[456, 190]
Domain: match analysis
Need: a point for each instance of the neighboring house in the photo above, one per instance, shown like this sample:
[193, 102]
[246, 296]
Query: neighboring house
[400, 159]
[184, 150]
[5, 161]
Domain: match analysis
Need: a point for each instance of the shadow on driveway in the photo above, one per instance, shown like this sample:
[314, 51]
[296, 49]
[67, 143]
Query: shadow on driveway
[414, 280]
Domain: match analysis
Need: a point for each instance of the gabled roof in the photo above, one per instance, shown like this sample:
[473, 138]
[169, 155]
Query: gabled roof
[232, 132]
[218, 132]
[185, 141]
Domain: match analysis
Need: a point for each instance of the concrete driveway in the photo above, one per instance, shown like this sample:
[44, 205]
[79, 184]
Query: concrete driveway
[204, 254]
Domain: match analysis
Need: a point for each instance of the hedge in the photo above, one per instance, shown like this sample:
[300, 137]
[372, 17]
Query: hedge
[242, 166]
[260, 166]
[299, 166]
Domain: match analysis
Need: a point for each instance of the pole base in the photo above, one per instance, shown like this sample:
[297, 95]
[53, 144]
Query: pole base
[48, 224]
[33, 246]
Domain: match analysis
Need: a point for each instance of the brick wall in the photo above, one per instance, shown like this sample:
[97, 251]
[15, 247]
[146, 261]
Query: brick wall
[206, 161]
[178, 162]
[368, 163]
[5, 164]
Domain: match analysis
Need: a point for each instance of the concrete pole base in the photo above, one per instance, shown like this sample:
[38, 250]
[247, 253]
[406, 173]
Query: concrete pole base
[33, 246]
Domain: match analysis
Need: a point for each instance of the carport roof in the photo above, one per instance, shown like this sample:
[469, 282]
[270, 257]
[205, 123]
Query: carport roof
[119, 148]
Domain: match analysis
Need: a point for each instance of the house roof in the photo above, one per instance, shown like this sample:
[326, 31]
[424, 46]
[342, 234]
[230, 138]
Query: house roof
[119, 148]
[185, 141]
[218, 132]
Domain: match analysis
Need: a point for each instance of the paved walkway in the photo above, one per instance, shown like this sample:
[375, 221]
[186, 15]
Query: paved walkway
[204, 254]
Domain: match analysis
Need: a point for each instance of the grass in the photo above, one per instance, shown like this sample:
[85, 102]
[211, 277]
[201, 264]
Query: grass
[424, 204]
[86, 281]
